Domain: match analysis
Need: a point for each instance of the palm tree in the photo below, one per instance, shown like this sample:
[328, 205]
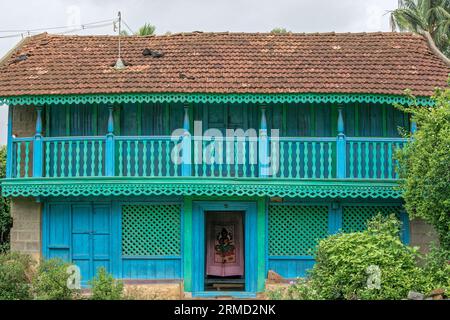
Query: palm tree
[146, 30]
[420, 16]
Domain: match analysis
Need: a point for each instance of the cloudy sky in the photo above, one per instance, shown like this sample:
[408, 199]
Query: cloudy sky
[192, 15]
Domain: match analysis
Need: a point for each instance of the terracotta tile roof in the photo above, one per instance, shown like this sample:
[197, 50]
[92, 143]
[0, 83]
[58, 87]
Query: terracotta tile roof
[378, 63]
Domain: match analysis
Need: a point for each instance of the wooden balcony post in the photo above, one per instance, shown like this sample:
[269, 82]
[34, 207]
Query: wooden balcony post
[186, 144]
[9, 154]
[341, 146]
[109, 148]
[38, 145]
[263, 145]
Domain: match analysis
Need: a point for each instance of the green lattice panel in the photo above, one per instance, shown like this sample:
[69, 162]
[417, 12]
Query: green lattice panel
[355, 217]
[296, 229]
[151, 230]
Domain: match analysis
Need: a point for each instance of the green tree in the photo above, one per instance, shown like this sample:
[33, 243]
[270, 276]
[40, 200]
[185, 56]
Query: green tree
[424, 166]
[279, 30]
[5, 217]
[419, 16]
[146, 30]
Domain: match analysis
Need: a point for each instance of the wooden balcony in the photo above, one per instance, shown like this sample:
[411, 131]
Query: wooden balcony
[222, 158]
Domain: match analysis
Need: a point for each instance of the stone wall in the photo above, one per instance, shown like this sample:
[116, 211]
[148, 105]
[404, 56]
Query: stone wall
[422, 235]
[24, 121]
[26, 231]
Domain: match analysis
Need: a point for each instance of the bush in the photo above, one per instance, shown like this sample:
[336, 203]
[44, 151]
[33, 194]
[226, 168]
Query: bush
[345, 262]
[105, 287]
[437, 270]
[15, 276]
[50, 281]
[5, 216]
[301, 289]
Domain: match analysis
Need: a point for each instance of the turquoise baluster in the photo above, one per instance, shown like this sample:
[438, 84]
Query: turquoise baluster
[275, 163]
[47, 159]
[322, 158]
[175, 164]
[128, 157]
[85, 157]
[390, 146]
[69, 159]
[160, 172]
[359, 160]
[375, 162]
[367, 160]
[120, 158]
[352, 156]
[27, 157]
[314, 160]
[19, 159]
[252, 160]
[55, 159]
[77, 161]
[290, 159]
[197, 161]
[152, 158]
[220, 157]
[244, 158]
[330, 160]
[228, 157]
[382, 159]
[136, 158]
[305, 159]
[282, 174]
[167, 158]
[297, 159]
[397, 146]
[144, 158]
[236, 158]
[63, 159]
[100, 158]
[93, 158]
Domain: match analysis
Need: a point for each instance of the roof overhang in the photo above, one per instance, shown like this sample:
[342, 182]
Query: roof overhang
[40, 100]
[184, 186]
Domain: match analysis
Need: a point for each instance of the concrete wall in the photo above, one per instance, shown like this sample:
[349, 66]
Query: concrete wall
[422, 235]
[26, 231]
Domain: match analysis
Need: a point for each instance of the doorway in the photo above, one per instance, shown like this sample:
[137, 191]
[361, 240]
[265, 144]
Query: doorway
[212, 282]
[225, 251]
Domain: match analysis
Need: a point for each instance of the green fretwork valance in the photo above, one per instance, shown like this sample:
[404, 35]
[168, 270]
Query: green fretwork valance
[211, 98]
[332, 188]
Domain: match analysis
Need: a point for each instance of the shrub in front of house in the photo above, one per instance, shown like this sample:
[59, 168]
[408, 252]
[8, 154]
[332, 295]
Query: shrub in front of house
[15, 275]
[437, 270]
[51, 281]
[105, 287]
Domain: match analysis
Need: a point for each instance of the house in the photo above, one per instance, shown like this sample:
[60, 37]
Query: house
[206, 159]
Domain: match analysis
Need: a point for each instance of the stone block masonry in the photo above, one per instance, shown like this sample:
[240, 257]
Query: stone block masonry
[26, 231]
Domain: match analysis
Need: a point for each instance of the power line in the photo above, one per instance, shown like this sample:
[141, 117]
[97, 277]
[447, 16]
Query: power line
[79, 28]
[126, 25]
[54, 28]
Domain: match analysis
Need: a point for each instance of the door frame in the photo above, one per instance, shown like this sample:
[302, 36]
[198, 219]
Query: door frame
[249, 209]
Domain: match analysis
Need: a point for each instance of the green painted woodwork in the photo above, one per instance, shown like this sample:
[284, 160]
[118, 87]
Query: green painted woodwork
[187, 243]
[355, 217]
[151, 229]
[295, 229]
[113, 186]
[262, 240]
[211, 98]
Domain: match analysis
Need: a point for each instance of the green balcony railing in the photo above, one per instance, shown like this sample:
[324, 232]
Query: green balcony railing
[235, 157]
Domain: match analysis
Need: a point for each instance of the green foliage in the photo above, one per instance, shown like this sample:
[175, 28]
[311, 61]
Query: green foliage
[105, 287]
[301, 289]
[432, 16]
[279, 30]
[343, 262]
[5, 217]
[15, 276]
[424, 166]
[437, 270]
[146, 30]
[50, 281]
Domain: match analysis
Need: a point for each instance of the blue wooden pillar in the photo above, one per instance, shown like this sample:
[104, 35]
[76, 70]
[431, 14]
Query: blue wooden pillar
[263, 145]
[186, 145]
[109, 150]
[341, 146]
[413, 127]
[9, 154]
[38, 145]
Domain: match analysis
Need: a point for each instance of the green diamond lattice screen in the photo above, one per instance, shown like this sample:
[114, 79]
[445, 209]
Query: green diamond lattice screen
[151, 230]
[296, 229]
[355, 217]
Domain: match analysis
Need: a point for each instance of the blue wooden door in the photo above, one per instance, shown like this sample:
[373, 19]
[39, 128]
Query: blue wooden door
[91, 238]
